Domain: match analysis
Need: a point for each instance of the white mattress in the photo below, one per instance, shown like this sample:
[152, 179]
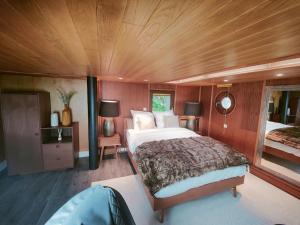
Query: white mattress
[193, 182]
[136, 137]
[272, 126]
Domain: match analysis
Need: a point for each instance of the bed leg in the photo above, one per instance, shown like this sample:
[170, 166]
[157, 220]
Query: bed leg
[234, 192]
[161, 215]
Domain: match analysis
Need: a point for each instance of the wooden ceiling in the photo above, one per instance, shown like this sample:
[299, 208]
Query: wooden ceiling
[155, 40]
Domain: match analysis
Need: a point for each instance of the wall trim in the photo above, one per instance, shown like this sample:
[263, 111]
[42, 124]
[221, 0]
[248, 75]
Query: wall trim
[85, 153]
[82, 154]
[3, 165]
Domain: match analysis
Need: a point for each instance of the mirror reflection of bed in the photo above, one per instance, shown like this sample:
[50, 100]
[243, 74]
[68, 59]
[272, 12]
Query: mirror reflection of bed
[281, 152]
[279, 156]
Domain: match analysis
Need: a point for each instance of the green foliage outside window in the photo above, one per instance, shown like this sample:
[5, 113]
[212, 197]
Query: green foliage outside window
[161, 103]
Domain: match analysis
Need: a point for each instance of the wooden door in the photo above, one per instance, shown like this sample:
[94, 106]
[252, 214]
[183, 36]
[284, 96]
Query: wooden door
[21, 120]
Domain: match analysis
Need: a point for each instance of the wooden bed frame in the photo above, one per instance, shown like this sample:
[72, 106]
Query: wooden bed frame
[161, 204]
[281, 154]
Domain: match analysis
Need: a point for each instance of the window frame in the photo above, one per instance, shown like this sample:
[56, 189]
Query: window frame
[171, 93]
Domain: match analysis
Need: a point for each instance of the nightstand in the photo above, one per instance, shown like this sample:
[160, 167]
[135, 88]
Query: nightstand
[108, 145]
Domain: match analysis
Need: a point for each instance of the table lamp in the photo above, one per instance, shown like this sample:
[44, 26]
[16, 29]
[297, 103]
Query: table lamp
[108, 110]
[192, 109]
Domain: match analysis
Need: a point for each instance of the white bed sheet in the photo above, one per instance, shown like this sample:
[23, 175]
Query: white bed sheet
[272, 126]
[282, 147]
[137, 137]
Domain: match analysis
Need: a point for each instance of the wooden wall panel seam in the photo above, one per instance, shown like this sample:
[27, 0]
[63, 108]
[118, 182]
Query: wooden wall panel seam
[210, 109]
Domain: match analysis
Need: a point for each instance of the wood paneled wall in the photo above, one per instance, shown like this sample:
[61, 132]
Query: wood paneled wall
[131, 96]
[242, 122]
[288, 81]
[184, 94]
[137, 96]
[206, 97]
[165, 87]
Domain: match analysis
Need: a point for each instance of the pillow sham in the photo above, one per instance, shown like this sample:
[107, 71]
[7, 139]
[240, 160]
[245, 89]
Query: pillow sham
[171, 121]
[142, 120]
[159, 117]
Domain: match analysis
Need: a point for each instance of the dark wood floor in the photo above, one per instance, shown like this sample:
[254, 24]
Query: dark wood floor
[32, 199]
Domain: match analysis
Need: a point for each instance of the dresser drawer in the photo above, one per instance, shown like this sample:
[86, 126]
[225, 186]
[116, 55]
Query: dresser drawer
[58, 156]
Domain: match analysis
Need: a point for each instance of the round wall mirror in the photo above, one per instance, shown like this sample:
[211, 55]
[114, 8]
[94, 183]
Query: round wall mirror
[224, 103]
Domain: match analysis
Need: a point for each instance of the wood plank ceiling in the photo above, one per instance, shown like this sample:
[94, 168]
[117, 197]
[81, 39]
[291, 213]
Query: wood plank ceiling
[155, 40]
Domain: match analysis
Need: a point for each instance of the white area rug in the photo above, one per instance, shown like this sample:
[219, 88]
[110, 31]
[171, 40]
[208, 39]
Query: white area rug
[258, 203]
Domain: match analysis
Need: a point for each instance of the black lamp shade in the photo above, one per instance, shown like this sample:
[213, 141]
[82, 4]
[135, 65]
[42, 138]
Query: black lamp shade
[192, 109]
[109, 108]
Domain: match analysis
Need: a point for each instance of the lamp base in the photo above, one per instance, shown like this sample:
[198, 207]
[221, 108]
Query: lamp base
[108, 127]
[191, 123]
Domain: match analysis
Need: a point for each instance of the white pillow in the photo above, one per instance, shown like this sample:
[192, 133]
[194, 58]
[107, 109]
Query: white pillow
[171, 121]
[142, 120]
[159, 117]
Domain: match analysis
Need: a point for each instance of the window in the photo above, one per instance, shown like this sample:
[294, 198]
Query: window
[161, 100]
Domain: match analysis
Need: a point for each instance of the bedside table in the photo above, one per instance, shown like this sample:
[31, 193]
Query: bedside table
[108, 145]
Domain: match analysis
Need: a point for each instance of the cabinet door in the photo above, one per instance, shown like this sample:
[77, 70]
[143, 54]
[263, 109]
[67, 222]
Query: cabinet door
[58, 156]
[21, 120]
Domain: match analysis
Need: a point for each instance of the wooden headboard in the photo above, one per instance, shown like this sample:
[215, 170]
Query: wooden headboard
[128, 123]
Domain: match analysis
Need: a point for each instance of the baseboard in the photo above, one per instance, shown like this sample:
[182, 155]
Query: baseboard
[3, 165]
[82, 154]
[122, 149]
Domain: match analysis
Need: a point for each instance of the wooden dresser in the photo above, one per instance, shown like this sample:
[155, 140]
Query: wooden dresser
[23, 114]
[30, 144]
[60, 154]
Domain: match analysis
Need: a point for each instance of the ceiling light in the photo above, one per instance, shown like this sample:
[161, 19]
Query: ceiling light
[146, 80]
[225, 80]
[279, 74]
[120, 78]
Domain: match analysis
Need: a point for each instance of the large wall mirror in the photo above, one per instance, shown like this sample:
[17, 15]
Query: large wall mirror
[279, 141]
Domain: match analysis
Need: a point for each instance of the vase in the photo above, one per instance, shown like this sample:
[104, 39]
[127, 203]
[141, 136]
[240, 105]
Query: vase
[66, 116]
[108, 127]
[54, 119]
[191, 123]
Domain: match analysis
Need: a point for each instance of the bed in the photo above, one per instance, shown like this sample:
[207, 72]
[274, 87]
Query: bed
[189, 188]
[278, 149]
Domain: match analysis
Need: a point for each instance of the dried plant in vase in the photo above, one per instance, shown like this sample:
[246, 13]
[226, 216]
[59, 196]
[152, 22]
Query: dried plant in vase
[66, 113]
